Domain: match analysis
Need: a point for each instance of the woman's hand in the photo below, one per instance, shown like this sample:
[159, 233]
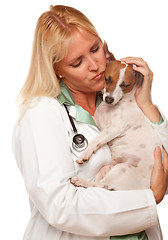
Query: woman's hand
[143, 94]
[159, 178]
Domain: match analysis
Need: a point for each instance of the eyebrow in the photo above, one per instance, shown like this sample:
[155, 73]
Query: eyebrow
[96, 43]
[77, 59]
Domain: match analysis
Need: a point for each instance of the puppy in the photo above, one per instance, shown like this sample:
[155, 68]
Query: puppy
[128, 133]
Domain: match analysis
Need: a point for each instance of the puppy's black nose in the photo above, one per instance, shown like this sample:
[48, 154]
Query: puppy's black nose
[109, 100]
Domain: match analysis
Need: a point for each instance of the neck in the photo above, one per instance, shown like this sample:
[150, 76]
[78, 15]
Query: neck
[85, 100]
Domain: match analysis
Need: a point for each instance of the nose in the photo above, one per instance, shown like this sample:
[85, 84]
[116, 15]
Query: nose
[109, 100]
[93, 65]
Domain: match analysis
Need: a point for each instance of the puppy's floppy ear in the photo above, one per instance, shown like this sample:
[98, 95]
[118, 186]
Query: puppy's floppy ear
[138, 78]
[108, 54]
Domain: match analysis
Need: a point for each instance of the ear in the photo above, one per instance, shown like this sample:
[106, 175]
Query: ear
[108, 54]
[138, 78]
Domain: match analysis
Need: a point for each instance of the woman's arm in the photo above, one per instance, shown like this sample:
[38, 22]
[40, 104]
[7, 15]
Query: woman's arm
[143, 94]
[41, 148]
[144, 101]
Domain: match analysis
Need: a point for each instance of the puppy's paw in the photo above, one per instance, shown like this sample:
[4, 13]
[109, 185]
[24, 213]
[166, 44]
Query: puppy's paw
[85, 156]
[77, 182]
[80, 160]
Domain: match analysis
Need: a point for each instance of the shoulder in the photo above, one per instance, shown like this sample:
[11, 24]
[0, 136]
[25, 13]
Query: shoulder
[41, 108]
[45, 103]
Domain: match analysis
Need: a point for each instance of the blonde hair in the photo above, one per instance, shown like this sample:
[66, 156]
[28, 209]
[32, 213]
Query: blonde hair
[51, 40]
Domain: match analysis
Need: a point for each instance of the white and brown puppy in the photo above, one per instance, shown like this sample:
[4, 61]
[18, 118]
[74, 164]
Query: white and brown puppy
[127, 131]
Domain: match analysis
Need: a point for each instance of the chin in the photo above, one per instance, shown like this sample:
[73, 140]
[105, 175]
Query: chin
[97, 86]
[100, 87]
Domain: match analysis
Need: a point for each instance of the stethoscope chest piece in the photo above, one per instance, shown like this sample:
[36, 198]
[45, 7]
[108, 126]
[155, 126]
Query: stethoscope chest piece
[79, 142]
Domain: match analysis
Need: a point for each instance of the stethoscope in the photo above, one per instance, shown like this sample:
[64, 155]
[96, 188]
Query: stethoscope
[79, 142]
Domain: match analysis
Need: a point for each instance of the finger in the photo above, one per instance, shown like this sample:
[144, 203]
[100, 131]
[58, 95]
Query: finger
[141, 70]
[158, 158]
[165, 160]
[135, 60]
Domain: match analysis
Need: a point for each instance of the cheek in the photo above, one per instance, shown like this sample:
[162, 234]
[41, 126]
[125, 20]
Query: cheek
[72, 74]
[75, 74]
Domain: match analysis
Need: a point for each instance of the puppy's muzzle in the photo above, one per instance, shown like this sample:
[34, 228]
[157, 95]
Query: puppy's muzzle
[109, 100]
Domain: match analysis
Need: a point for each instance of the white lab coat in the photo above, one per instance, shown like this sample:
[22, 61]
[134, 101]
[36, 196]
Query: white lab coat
[60, 211]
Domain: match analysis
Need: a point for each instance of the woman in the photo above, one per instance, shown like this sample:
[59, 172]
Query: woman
[67, 67]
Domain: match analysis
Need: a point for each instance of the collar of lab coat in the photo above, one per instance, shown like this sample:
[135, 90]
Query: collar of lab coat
[76, 111]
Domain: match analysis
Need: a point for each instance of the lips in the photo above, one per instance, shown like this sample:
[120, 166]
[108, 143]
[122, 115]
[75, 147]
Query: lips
[98, 76]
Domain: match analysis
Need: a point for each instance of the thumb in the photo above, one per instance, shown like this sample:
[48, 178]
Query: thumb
[165, 160]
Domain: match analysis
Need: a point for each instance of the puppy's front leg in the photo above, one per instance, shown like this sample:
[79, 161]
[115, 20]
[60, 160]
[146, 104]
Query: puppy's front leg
[104, 137]
[80, 182]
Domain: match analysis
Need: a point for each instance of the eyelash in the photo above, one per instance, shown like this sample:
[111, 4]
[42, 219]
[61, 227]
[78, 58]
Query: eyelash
[93, 51]
[123, 85]
[77, 65]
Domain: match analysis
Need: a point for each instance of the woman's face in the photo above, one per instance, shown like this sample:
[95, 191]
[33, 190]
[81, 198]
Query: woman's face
[83, 67]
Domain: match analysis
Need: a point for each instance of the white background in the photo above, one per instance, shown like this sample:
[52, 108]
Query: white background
[131, 28]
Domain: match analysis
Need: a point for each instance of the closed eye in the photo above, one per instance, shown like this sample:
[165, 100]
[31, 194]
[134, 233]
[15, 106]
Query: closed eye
[77, 64]
[95, 49]
[124, 85]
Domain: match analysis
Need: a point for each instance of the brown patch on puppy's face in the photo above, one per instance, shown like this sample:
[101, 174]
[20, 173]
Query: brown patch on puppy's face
[128, 80]
[119, 80]
[112, 74]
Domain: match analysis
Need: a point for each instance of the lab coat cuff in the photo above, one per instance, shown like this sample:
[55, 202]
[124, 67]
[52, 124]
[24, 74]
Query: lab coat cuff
[161, 130]
[153, 221]
[162, 124]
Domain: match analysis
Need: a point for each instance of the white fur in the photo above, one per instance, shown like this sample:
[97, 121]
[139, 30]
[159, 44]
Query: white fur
[132, 141]
[117, 94]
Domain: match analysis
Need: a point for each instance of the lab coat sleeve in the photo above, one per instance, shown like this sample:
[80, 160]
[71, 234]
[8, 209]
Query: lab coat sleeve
[41, 148]
[162, 131]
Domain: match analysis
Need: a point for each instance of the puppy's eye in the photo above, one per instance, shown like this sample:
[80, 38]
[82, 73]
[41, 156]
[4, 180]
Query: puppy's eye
[124, 85]
[108, 80]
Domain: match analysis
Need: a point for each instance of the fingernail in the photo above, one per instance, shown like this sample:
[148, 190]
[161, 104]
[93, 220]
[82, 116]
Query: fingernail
[157, 149]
